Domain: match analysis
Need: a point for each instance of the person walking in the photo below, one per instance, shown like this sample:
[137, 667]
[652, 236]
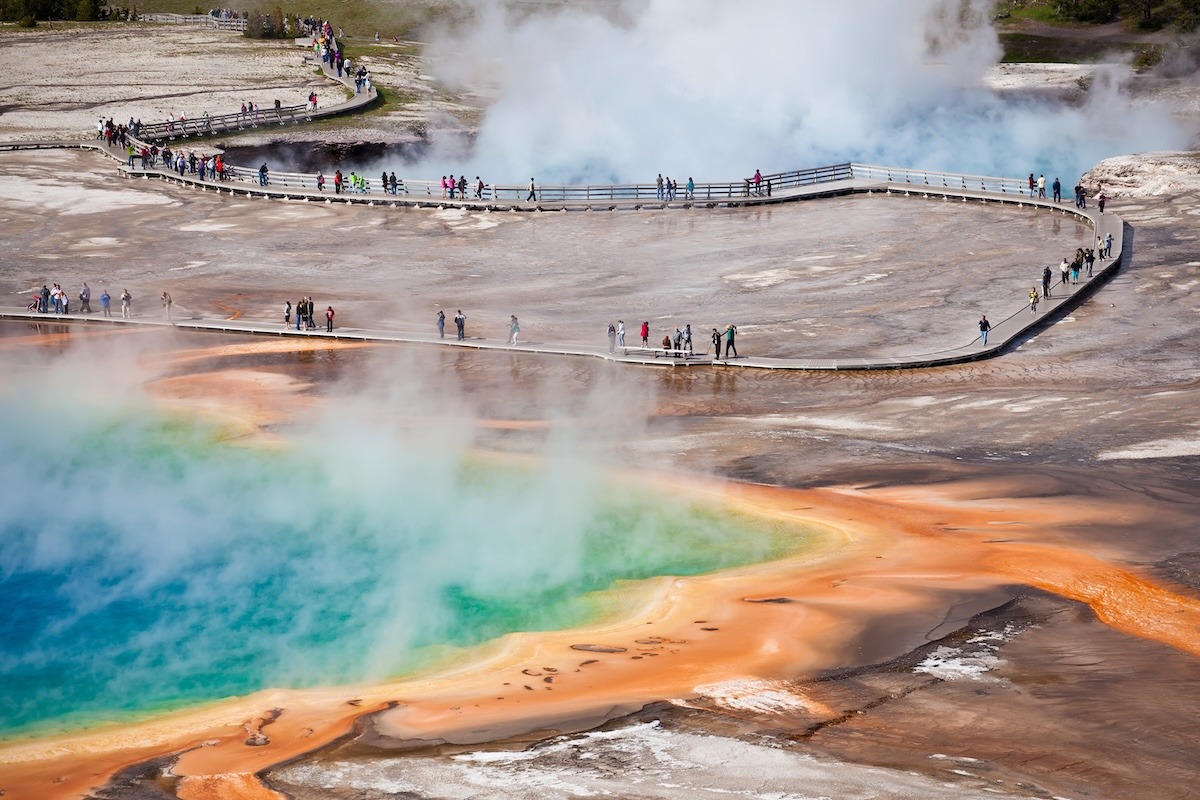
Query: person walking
[1047, 277]
[166, 301]
[460, 322]
[105, 303]
[287, 315]
[620, 333]
[716, 340]
[730, 347]
[85, 300]
[441, 324]
[309, 308]
[984, 327]
[126, 303]
[687, 338]
[329, 319]
[645, 334]
[1101, 200]
[1033, 300]
[532, 197]
[612, 338]
[514, 330]
[1065, 269]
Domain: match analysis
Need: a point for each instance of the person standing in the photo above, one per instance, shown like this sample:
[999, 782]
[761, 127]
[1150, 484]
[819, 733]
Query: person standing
[984, 327]
[1047, 277]
[1041, 186]
[1057, 190]
[85, 300]
[757, 182]
[687, 338]
[645, 334]
[1065, 269]
[1089, 258]
[691, 189]
[1108, 242]
[1031, 184]
[620, 333]
[730, 347]
[612, 338]
[441, 324]
[716, 340]
[329, 319]
[166, 301]
[1101, 200]
[460, 322]
[1033, 300]
[514, 330]
[105, 303]
[532, 197]
[287, 315]
[126, 303]
[44, 297]
[300, 308]
[309, 308]
[658, 192]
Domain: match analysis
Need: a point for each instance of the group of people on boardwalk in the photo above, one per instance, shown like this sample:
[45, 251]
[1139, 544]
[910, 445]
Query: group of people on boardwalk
[1070, 271]
[1037, 188]
[456, 189]
[678, 344]
[668, 190]
[304, 312]
[54, 299]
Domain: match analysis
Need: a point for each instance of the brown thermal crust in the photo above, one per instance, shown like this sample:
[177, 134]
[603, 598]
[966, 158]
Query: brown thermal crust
[884, 552]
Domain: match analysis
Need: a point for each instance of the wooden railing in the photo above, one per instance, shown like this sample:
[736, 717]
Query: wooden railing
[946, 180]
[197, 20]
[236, 121]
[638, 193]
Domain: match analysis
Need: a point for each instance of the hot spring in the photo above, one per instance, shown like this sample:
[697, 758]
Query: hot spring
[148, 563]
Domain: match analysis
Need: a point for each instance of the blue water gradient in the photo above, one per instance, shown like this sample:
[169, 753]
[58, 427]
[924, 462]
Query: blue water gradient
[147, 565]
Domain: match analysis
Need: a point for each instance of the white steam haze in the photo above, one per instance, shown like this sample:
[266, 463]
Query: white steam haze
[714, 89]
[146, 562]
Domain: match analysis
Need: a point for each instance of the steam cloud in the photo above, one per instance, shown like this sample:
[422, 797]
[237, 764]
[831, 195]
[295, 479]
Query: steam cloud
[144, 563]
[618, 92]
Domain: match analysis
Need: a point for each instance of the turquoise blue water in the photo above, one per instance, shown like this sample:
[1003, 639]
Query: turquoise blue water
[145, 565]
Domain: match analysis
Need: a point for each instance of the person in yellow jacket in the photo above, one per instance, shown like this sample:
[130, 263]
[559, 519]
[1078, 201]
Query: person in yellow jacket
[1033, 300]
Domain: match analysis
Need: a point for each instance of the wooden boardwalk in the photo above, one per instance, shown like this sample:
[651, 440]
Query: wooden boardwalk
[784, 187]
[1006, 333]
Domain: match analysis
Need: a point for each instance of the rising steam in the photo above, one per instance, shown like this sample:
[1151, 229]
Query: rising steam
[608, 92]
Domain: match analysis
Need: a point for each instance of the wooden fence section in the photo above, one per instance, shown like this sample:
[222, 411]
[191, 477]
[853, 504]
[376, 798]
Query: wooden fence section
[197, 20]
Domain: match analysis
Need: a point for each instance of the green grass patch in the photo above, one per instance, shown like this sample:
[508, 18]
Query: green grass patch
[1043, 12]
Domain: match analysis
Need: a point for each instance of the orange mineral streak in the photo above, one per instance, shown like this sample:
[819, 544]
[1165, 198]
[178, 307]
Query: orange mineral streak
[883, 552]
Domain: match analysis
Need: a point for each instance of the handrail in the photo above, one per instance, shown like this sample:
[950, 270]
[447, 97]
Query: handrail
[237, 120]
[196, 20]
[947, 180]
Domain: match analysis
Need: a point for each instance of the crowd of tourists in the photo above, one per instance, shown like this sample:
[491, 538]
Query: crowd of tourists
[54, 299]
